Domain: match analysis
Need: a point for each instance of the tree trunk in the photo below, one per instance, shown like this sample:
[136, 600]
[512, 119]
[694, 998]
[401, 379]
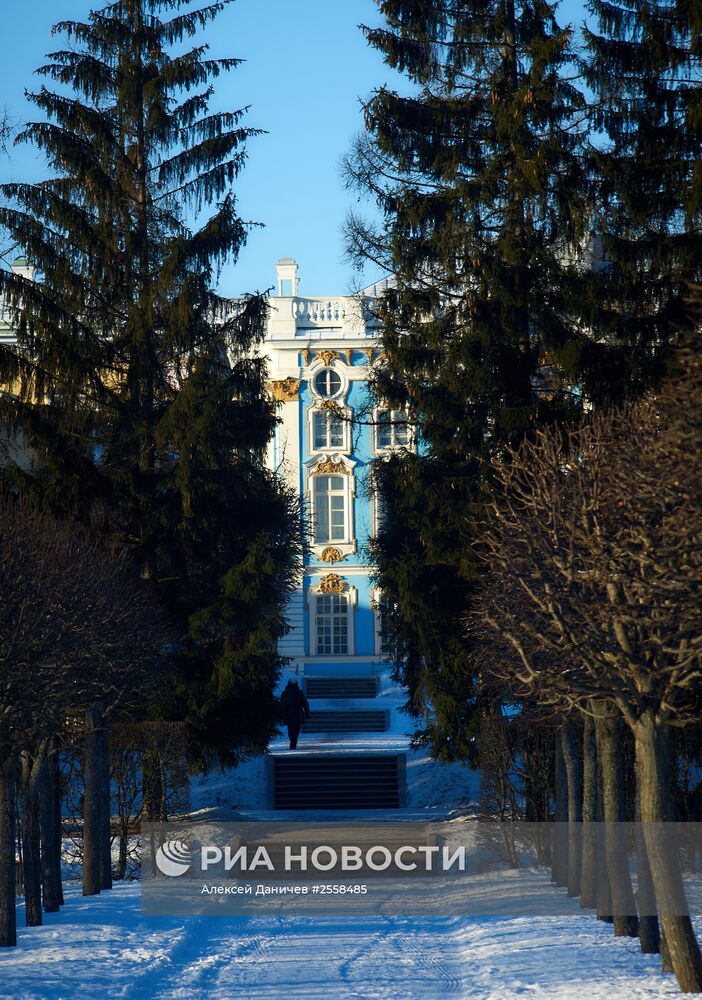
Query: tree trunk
[537, 794]
[666, 964]
[50, 865]
[559, 857]
[649, 928]
[91, 805]
[609, 737]
[603, 891]
[55, 787]
[8, 837]
[153, 791]
[103, 754]
[122, 856]
[573, 769]
[31, 852]
[588, 871]
[655, 760]
[19, 867]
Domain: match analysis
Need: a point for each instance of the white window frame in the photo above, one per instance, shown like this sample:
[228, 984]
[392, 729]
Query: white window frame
[313, 595]
[347, 544]
[376, 597]
[376, 516]
[344, 414]
[341, 490]
[387, 448]
[344, 387]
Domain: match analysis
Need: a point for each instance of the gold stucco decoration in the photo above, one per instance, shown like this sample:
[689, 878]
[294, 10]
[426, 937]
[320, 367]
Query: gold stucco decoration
[331, 554]
[286, 391]
[328, 467]
[332, 583]
[329, 356]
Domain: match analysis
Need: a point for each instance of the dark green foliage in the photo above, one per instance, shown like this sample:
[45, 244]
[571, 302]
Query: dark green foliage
[479, 180]
[139, 388]
[643, 62]
[427, 587]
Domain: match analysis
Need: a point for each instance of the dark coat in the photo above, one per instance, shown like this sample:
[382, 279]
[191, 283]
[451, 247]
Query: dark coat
[296, 707]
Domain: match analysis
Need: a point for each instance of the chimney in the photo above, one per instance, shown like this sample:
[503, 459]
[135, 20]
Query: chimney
[287, 279]
[23, 268]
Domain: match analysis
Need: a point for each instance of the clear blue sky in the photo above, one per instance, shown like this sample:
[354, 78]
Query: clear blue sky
[307, 65]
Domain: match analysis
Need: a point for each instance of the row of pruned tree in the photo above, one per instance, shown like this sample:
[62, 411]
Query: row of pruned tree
[590, 609]
[81, 642]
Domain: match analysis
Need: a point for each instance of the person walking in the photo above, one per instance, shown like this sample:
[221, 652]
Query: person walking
[296, 709]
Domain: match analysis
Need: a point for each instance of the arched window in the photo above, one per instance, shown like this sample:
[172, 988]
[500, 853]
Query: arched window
[327, 431]
[330, 509]
[381, 609]
[379, 513]
[392, 429]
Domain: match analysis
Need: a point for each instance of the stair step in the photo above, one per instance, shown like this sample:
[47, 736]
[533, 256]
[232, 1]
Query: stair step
[341, 687]
[346, 722]
[348, 781]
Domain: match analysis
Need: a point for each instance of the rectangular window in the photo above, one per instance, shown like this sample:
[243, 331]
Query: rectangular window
[379, 512]
[382, 611]
[392, 428]
[332, 625]
[327, 430]
[329, 509]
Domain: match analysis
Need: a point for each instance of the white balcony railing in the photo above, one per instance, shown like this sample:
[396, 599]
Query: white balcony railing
[320, 312]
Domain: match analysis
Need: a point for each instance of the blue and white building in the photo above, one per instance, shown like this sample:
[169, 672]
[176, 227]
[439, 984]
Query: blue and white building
[354, 747]
[320, 351]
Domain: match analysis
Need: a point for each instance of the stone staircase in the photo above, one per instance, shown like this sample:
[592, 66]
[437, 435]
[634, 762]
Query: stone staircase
[330, 777]
[348, 721]
[337, 781]
[340, 687]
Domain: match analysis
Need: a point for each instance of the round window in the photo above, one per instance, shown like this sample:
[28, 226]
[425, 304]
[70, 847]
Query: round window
[327, 383]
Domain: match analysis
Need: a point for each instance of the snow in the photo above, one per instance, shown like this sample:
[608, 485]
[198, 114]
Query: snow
[102, 946]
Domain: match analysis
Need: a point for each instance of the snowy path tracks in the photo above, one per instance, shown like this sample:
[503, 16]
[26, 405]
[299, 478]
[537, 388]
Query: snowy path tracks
[103, 946]
[310, 958]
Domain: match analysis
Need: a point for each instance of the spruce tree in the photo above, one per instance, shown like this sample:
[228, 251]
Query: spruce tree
[643, 63]
[139, 389]
[4, 130]
[478, 177]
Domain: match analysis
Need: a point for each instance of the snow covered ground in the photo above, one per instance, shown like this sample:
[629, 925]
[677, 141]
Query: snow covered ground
[102, 947]
[105, 947]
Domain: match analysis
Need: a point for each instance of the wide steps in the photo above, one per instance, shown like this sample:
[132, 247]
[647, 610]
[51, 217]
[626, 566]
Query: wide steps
[346, 722]
[340, 781]
[341, 687]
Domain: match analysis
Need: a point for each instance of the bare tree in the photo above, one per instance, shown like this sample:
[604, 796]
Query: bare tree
[596, 554]
[77, 635]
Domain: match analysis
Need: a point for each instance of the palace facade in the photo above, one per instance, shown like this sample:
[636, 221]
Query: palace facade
[320, 351]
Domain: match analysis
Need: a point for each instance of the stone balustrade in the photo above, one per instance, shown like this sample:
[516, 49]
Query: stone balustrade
[322, 312]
